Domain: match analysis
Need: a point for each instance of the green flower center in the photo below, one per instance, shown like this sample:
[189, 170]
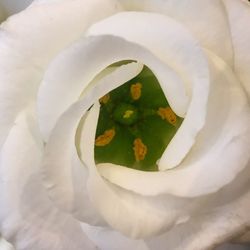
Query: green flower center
[125, 114]
[135, 124]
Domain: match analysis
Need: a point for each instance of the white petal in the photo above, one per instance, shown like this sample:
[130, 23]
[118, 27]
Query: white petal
[205, 231]
[238, 13]
[121, 209]
[205, 19]
[30, 39]
[70, 74]
[57, 166]
[5, 245]
[74, 69]
[180, 51]
[218, 217]
[107, 239]
[135, 216]
[221, 150]
[28, 218]
[175, 46]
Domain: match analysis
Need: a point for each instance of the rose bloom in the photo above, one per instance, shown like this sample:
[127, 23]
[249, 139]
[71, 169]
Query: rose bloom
[60, 62]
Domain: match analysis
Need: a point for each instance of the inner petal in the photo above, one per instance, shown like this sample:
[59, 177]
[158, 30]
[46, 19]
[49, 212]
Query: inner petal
[178, 49]
[220, 152]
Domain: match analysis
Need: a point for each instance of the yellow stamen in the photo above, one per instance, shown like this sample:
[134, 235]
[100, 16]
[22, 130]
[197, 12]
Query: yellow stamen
[106, 138]
[167, 114]
[135, 91]
[140, 149]
[104, 99]
[128, 113]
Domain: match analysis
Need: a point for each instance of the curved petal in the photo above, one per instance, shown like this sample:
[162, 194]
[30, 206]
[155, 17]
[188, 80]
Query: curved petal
[121, 209]
[207, 231]
[5, 245]
[125, 211]
[130, 210]
[207, 227]
[81, 62]
[59, 181]
[220, 152]
[28, 218]
[238, 13]
[180, 51]
[205, 19]
[107, 239]
[26, 49]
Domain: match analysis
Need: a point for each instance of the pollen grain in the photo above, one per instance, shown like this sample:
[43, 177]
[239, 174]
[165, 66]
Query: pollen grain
[140, 149]
[104, 99]
[135, 91]
[105, 138]
[167, 114]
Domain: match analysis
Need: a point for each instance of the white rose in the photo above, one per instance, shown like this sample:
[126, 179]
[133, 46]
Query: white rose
[54, 65]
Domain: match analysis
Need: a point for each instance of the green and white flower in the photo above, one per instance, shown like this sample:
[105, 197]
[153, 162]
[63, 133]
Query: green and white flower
[125, 124]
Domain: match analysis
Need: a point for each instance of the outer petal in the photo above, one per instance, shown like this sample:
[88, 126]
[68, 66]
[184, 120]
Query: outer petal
[108, 239]
[30, 39]
[226, 216]
[28, 218]
[238, 13]
[4, 245]
[205, 19]
[209, 230]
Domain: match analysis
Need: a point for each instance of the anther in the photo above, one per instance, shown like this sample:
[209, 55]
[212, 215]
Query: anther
[140, 149]
[135, 91]
[104, 99]
[167, 114]
[105, 138]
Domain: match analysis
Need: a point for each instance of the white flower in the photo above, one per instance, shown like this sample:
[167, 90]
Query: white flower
[53, 66]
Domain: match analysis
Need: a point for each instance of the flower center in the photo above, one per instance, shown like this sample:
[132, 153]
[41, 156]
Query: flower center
[125, 114]
[135, 124]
